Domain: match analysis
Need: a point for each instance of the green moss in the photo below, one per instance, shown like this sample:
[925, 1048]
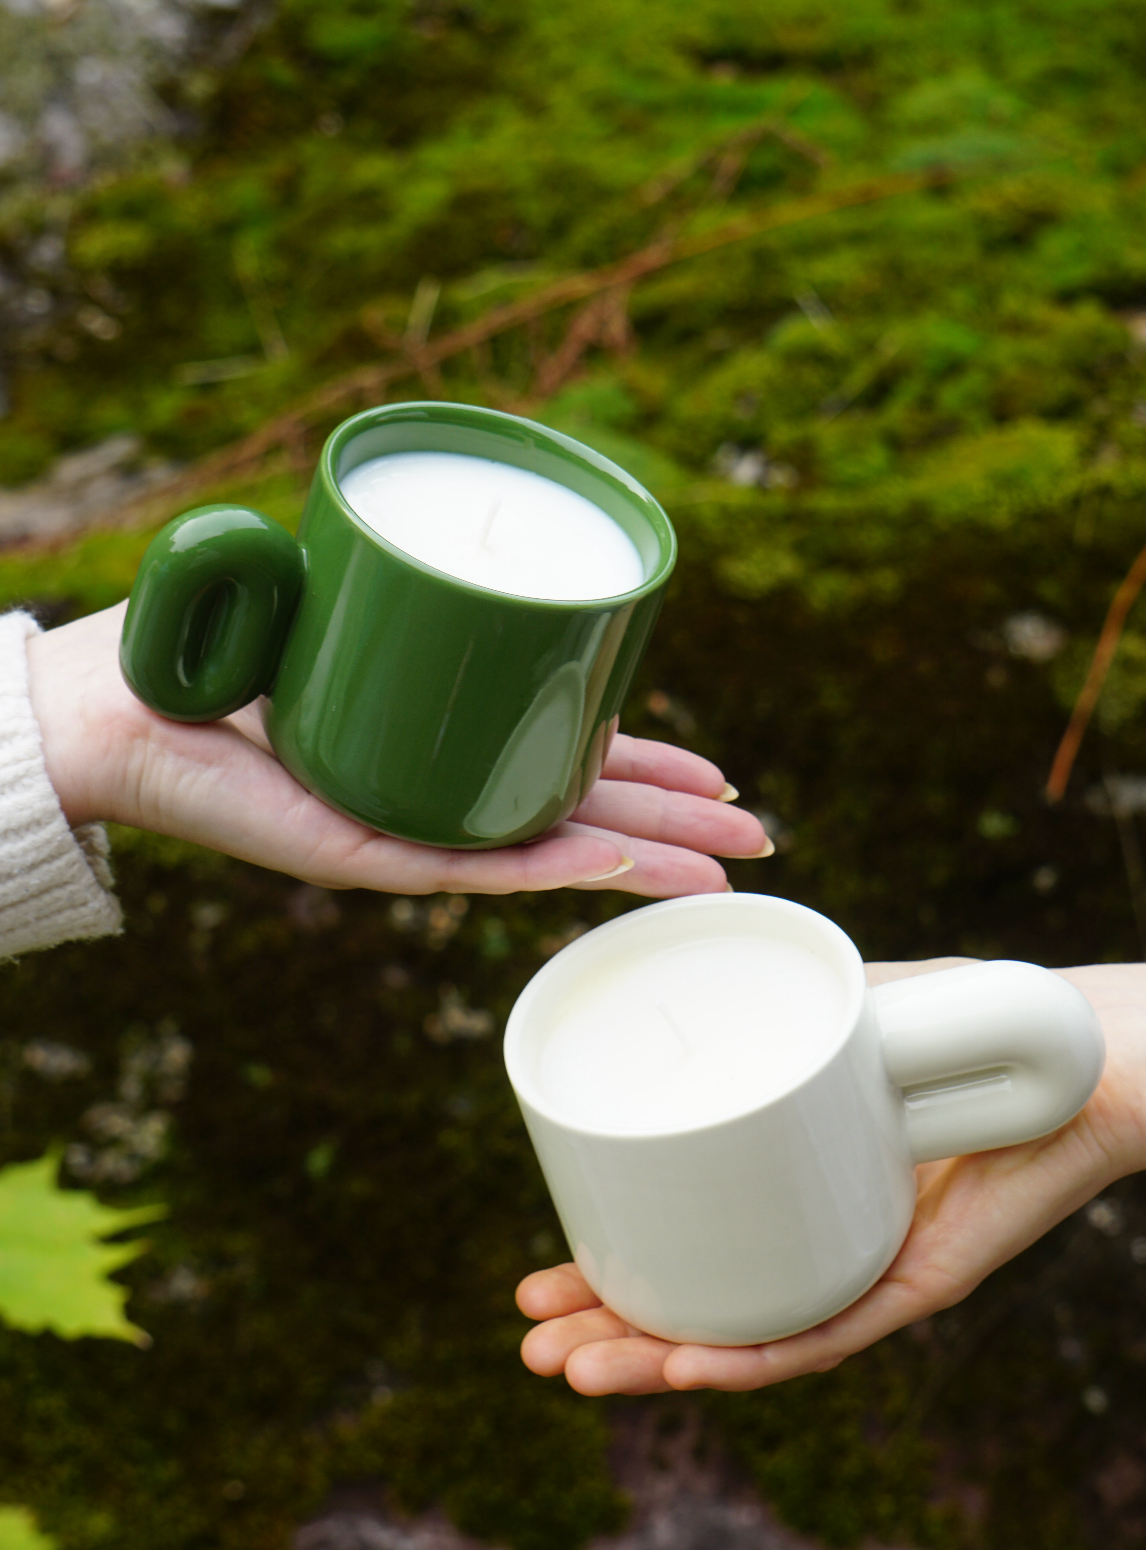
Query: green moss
[831, 1453]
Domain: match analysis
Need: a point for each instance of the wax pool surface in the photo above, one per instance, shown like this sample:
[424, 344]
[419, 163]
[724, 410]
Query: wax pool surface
[499, 527]
[694, 1034]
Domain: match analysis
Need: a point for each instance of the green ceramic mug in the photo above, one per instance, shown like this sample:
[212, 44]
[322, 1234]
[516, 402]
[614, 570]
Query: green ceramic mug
[423, 705]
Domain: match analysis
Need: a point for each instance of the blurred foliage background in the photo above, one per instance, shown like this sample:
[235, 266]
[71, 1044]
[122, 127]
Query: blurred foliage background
[895, 402]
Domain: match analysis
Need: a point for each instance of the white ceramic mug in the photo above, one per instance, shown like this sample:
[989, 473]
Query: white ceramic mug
[728, 1118]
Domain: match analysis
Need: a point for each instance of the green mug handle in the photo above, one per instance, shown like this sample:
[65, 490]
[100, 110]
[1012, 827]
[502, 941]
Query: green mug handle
[213, 600]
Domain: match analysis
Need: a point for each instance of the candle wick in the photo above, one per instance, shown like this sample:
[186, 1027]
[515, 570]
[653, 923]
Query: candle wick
[674, 1027]
[491, 516]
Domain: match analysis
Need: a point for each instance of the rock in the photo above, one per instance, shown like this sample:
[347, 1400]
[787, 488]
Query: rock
[81, 490]
[347, 1531]
[375, 1530]
[693, 1521]
[686, 1494]
[78, 91]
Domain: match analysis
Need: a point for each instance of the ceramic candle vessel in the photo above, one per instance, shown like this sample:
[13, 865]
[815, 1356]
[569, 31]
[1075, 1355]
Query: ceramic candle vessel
[728, 1119]
[419, 702]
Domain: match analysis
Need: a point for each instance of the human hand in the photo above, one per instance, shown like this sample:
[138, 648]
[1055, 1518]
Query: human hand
[972, 1214]
[219, 784]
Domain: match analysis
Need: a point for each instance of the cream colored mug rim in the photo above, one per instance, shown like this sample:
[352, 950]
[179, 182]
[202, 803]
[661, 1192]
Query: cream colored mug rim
[846, 961]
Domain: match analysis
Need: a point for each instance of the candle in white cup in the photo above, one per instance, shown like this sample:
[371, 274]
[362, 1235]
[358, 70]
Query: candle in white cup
[757, 1174]
[698, 1032]
[500, 527]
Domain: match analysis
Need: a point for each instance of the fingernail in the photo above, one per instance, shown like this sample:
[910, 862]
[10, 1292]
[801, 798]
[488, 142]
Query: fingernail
[627, 865]
[728, 888]
[729, 794]
[767, 849]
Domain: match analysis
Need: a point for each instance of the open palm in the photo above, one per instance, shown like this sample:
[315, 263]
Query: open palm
[972, 1214]
[219, 784]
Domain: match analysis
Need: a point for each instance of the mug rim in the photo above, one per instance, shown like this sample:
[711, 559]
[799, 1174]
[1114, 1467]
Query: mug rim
[568, 960]
[498, 422]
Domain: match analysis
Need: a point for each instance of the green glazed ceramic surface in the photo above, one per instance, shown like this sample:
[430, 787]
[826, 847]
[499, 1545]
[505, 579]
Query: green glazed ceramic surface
[420, 704]
[209, 612]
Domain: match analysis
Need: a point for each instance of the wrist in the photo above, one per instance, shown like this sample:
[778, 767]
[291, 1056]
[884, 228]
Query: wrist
[1116, 1114]
[56, 692]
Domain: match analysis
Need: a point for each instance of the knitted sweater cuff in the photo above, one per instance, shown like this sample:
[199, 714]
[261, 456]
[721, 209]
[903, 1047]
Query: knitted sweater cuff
[55, 884]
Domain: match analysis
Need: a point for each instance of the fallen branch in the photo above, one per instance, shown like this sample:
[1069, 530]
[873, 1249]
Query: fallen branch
[366, 384]
[726, 159]
[603, 321]
[1104, 654]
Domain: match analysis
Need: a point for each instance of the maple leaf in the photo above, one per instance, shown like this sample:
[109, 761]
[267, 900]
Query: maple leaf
[53, 1266]
[18, 1531]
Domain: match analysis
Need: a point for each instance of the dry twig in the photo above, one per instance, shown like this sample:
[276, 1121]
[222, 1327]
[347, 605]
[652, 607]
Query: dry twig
[604, 320]
[1104, 653]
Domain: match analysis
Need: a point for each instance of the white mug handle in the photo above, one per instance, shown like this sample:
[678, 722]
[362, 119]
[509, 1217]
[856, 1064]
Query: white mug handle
[987, 1055]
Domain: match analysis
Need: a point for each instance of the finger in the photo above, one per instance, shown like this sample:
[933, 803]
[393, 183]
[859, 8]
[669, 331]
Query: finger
[667, 809]
[673, 818]
[549, 1294]
[547, 1347]
[631, 1366]
[735, 1369]
[659, 871]
[663, 764]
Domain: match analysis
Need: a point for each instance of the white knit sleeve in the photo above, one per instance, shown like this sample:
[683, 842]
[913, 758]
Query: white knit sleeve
[55, 884]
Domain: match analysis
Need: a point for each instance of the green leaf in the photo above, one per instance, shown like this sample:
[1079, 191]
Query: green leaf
[53, 1268]
[18, 1531]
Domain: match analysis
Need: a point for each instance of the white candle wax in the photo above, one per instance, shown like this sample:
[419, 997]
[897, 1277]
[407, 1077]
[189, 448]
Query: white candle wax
[494, 525]
[690, 1035]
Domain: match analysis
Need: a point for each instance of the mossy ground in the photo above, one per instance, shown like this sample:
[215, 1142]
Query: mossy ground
[944, 394]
